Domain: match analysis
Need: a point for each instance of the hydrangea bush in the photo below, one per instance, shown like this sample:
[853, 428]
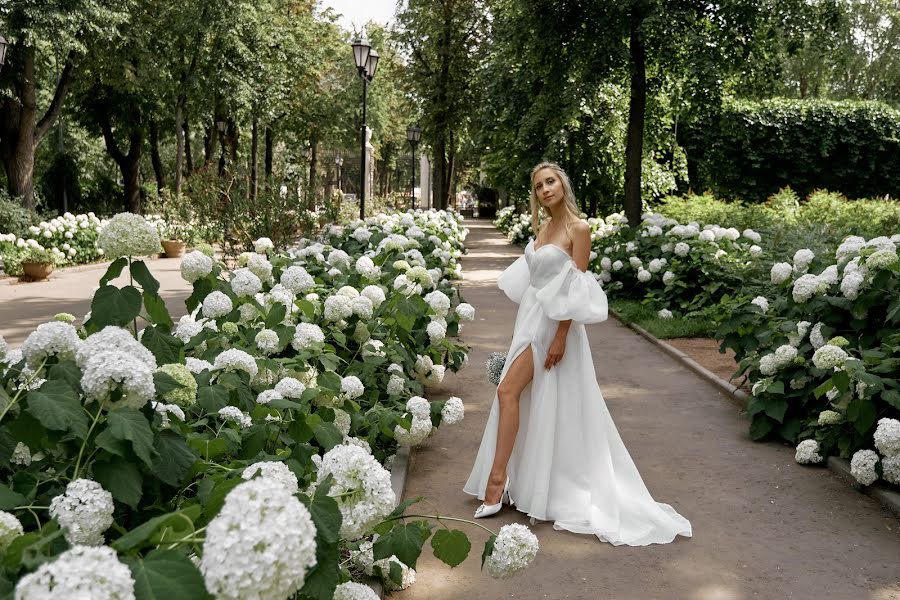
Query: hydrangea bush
[240, 451]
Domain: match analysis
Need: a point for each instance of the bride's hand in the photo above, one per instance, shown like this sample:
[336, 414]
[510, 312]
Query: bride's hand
[555, 352]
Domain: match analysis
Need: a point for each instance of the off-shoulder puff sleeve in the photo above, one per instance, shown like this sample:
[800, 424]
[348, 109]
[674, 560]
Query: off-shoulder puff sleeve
[514, 281]
[575, 295]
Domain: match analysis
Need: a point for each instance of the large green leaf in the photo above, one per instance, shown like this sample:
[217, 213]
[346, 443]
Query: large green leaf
[122, 479]
[156, 310]
[861, 412]
[114, 270]
[488, 549]
[404, 541]
[10, 499]
[212, 397]
[892, 397]
[164, 383]
[174, 458]
[776, 407]
[166, 575]
[760, 426]
[451, 546]
[324, 577]
[67, 371]
[57, 407]
[166, 348]
[114, 306]
[276, 315]
[128, 424]
[328, 435]
[143, 276]
[325, 514]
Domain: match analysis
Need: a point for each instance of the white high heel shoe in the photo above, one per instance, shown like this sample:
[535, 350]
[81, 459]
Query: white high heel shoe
[487, 510]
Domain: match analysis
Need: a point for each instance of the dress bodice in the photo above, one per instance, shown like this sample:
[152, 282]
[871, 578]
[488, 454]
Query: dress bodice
[545, 263]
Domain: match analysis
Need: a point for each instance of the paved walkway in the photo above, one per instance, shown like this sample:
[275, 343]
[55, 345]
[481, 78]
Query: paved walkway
[24, 306]
[764, 526]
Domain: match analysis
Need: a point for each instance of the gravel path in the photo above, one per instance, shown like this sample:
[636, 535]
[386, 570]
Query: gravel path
[764, 526]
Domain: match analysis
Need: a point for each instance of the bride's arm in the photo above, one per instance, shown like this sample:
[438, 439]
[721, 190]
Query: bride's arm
[581, 254]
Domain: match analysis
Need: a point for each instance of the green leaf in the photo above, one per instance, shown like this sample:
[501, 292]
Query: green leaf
[217, 496]
[776, 407]
[129, 424]
[10, 499]
[67, 371]
[57, 407]
[861, 412]
[164, 383]
[142, 275]
[212, 397]
[451, 546]
[488, 549]
[760, 426]
[405, 541]
[141, 533]
[174, 457]
[276, 315]
[892, 397]
[166, 575]
[776, 387]
[328, 435]
[326, 515]
[156, 310]
[166, 348]
[329, 380]
[114, 270]
[401, 508]
[122, 479]
[324, 577]
[114, 306]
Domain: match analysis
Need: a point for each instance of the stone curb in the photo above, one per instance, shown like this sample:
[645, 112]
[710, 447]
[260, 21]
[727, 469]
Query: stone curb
[399, 473]
[8, 279]
[890, 499]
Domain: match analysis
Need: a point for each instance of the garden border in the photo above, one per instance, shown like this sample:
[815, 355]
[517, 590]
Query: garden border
[399, 473]
[839, 466]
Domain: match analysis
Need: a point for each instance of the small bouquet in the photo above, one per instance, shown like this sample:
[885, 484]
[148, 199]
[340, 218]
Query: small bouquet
[494, 366]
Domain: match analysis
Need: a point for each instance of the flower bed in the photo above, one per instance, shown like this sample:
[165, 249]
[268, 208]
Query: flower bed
[240, 451]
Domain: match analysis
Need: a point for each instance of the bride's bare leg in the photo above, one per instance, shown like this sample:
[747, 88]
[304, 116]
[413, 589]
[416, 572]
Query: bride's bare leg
[517, 377]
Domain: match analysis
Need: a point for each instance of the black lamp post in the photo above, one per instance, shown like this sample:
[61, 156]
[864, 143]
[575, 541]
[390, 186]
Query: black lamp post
[413, 134]
[366, 64]
[3, 45]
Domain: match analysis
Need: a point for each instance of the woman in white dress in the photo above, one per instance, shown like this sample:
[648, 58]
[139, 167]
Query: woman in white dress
[550, 446]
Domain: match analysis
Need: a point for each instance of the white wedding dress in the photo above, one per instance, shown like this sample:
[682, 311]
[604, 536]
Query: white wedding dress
[569, 464]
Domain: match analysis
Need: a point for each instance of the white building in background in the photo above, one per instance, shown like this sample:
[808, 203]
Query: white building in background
[425, 192]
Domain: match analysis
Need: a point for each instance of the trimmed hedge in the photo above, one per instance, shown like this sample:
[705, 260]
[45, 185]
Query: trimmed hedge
[750, 150]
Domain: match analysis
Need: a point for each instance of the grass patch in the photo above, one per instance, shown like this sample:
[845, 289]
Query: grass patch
[633, 311]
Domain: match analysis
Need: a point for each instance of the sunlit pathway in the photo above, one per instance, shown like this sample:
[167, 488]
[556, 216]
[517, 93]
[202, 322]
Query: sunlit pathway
[764, 527]
[24, 306]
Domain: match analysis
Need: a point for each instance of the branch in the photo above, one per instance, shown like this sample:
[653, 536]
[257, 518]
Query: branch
[62, 89]
[418, 56]
[111, 146]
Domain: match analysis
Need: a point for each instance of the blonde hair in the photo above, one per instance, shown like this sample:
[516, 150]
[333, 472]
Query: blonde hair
[538, 211]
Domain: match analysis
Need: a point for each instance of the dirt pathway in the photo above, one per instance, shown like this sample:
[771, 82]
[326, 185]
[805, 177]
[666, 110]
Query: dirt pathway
[764, 527]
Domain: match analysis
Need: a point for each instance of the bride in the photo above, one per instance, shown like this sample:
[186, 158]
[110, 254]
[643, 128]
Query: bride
[553, 450]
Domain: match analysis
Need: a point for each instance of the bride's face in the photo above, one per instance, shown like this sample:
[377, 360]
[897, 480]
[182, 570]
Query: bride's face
[548, 188]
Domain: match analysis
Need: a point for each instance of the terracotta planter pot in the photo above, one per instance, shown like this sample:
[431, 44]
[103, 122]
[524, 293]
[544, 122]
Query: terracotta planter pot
[173, 248]
[37, 270]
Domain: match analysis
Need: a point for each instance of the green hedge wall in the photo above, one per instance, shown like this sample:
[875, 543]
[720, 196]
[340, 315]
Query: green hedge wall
[750, 150]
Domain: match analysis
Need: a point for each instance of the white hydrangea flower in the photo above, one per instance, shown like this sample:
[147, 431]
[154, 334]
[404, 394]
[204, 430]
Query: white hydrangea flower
[862, 466]
[781, 272]
[80, 572]
[342, 421]
[465, 311]
[396, 385]
[887, 437]
[752, 236]
[351, 590]
[453, 411]
[339, 259]
[275, 471]
[261, 544]
[290, 387]
[707, 235]
[187, 327]
[439, 302]
[113, 338]
[307, 334]
[830, 417]
[197, 365]
[437, 330]
[815, 336]
[851, 283]
[830, 275]
[236, 360]
[755, 250]
[245, 283]
[127, 234]
[807, 286]
[366, 267]
[644, 275]
[84, 512]
[514, 549]
[267, 341]
[21, 456]
[10, 529]
[802, 258]
[762, 303]
[635, 262]
[664, 313]
[362, 307]
[768, 364]
[682, 249]
[195, 265]
[297, 279]
[373, 348]
[361, 234]
[375, 294]
[260, 266]
[829, 356]
[362, 488]
[890, 469]
[420, 429]
[106, 370]
[216, 304]
[419, 407]
[235, 415]
[849, 248]
[352, 386]
[808, 452]
[51, 339]
[263, 245]
[266, 396]
[337, 307]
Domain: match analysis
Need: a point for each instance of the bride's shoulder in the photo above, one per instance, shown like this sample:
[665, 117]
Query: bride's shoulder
[579, 228]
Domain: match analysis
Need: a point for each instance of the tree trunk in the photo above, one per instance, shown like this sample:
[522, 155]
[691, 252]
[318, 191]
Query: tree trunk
[270, 144]
[188, 155]
[157, 161]
[209, 143]
[130, 164]
[634, 146]
[313, 168]
[179, 145]
[254, 145]
[439, 188]
[20, 130]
